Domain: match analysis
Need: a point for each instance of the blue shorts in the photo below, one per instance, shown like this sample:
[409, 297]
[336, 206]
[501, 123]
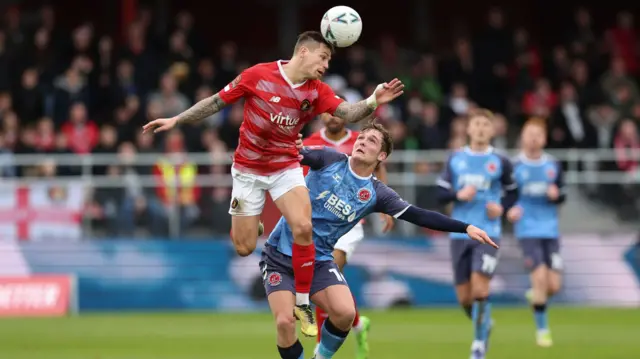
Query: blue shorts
[468, 256]
[539, 251]
[277, 273]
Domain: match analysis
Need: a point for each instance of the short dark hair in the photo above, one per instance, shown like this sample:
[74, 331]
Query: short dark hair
[387, 140]
[312, 37]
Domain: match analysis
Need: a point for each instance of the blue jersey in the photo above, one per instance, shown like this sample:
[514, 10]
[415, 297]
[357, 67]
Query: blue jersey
[539, 214]
[339, 200]
[491, 174]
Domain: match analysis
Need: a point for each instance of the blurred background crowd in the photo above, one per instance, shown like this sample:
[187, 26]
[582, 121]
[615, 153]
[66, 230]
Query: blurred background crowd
[79, 91]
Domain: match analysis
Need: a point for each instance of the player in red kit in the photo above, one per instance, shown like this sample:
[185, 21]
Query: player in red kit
[280, 98]
[335, 134]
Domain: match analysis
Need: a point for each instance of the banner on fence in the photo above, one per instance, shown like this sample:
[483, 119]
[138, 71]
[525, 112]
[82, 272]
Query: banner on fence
[40, 295]
[41, 210]
[208, 275]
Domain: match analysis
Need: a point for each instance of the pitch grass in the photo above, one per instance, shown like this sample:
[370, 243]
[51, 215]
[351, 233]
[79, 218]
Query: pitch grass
[426, 333]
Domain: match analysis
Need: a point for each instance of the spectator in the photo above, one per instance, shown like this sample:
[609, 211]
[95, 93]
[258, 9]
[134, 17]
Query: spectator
[568, 125]
[30, 97]
[45, 140]
[7, 165]
[541, 101]
[81, 132]
[172, 102]
[627, 147]
[176, 178]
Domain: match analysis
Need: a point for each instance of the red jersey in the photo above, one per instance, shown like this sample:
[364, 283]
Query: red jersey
[275, 110]
[344, 145]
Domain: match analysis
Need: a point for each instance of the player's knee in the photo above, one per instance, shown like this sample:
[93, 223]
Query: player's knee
[286, 323]
[343, 317]
[553, 287]
[539, 279]
[302, 230]
[480, 292]
[244, 249]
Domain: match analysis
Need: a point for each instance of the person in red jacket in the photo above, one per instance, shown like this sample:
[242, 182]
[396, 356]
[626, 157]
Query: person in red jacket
[81, 132]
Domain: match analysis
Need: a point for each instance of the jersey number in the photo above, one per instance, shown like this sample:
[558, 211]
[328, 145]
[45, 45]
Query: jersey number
[339, 276]
[489, 263]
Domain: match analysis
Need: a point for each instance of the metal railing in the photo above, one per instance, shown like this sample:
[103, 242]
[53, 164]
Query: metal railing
[583, 168]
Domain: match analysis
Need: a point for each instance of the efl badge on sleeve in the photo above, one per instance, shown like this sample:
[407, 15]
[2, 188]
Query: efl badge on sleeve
[305, 105]
[236, 81]
[274, 279]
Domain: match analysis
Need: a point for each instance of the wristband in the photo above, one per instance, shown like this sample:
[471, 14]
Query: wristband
[371, 100]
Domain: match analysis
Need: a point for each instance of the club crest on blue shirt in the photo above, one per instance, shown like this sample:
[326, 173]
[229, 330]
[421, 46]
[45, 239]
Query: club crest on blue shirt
[274, 279]
[492, 167]
[551, 173]
[364, 195]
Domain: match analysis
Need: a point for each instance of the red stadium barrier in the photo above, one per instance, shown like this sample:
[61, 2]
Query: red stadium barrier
[37, 296]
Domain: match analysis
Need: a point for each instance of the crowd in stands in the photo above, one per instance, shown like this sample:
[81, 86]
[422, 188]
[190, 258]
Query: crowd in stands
[84, 93]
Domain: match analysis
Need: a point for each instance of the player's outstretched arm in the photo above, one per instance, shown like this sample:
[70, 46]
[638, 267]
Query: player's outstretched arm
[389, 202]
[439, 222]
[384, 93]
[201, 110]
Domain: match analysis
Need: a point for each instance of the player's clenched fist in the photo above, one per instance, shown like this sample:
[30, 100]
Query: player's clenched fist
[479, 235]
[553, 192]
[299, 143]
[514, 214]
[159, 125]
[466, 194]
[494, 210]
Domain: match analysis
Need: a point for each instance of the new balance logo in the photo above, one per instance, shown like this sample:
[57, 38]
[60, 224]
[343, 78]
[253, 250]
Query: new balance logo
[307, 264]
[275, 99]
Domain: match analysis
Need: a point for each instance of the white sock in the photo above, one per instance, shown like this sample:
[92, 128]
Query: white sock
[302, 298]
[358, 327]
[477, 344]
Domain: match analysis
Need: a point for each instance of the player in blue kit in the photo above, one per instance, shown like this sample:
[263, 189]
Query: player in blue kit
[480, 184]
[535, 216]
[343, 191]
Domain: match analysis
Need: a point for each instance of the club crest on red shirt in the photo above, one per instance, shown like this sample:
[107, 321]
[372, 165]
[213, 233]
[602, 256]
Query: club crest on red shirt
[364, 195]
[305, 105]
[274, 279]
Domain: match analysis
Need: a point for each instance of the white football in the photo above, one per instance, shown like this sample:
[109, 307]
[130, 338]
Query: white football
[341, 26]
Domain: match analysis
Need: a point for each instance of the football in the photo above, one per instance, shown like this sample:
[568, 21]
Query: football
[341, 26]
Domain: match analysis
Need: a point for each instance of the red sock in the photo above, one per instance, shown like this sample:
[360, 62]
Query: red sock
[356, 320]
[321, 316]
[304, 262]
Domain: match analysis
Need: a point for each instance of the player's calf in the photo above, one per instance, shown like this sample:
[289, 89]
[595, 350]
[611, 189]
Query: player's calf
[281, 303]
[539, 297]
[463, 293]
[244, 233]
[337, 301]
[480, 312]
[554, 282]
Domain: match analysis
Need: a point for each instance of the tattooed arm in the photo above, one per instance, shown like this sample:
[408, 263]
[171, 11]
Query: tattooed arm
[201, 110]
[354, 112]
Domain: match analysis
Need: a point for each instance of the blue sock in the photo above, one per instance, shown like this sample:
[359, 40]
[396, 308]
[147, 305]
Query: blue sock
[293, 352]
[540, 316]
[481, 316]
[331, 339]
